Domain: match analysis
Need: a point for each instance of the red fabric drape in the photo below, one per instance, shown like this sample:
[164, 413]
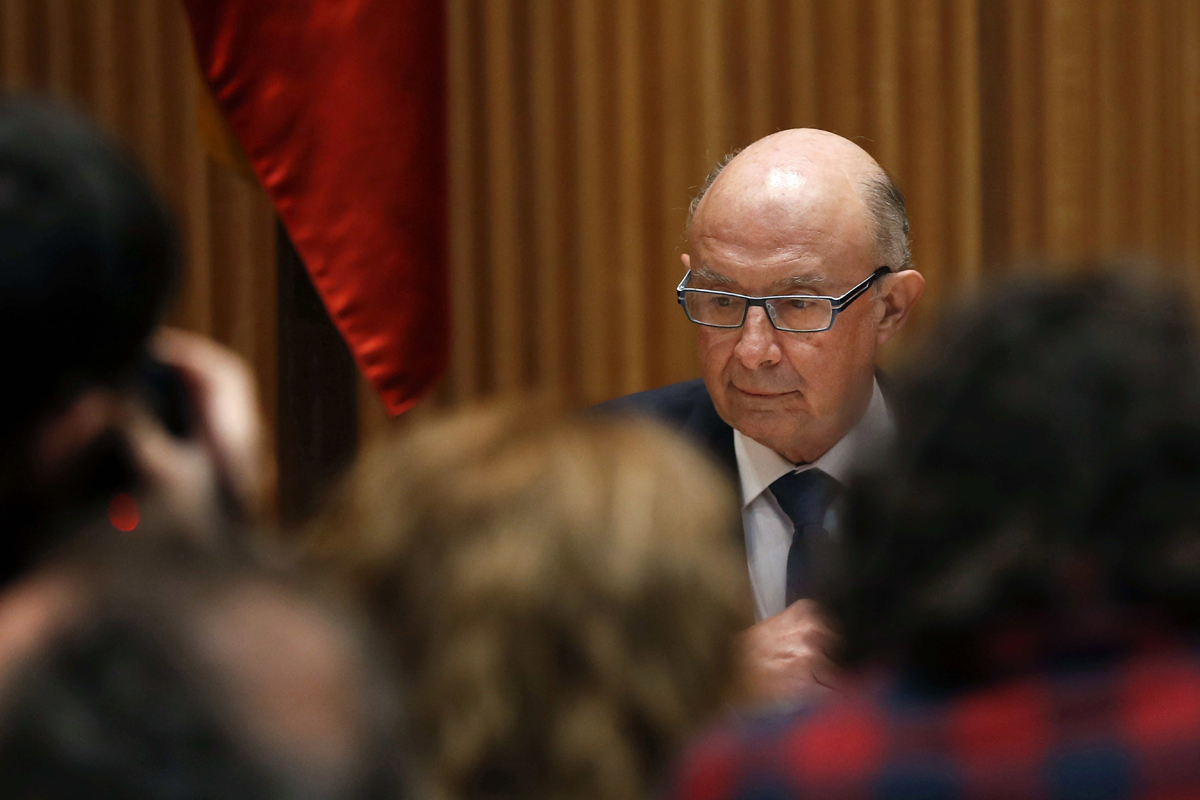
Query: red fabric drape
[339, 106]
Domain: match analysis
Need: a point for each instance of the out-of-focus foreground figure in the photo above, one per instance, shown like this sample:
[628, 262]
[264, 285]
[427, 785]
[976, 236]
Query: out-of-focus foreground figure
[151, 670]
[1020, 585]
[562, 597]
[95, 403]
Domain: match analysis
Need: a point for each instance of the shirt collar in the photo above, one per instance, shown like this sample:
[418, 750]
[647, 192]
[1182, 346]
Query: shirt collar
[759, 466]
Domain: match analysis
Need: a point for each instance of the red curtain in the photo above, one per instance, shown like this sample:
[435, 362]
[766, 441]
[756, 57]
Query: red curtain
[339, 106]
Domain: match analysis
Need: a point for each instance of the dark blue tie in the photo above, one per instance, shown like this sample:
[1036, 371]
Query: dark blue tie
[805, 497]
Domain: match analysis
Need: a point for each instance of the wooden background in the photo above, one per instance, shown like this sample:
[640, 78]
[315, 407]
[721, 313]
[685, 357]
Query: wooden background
[580, 128]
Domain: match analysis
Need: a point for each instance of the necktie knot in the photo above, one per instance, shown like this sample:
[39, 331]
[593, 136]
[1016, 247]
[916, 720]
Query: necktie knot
[805, 496]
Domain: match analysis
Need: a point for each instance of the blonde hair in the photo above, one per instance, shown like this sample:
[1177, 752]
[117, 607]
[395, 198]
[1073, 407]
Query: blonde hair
[562, 596]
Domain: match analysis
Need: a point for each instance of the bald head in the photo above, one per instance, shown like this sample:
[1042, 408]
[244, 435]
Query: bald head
[809, 215]
[783, 177]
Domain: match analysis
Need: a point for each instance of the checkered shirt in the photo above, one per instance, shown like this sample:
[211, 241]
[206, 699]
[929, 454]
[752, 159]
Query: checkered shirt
[1125, 729]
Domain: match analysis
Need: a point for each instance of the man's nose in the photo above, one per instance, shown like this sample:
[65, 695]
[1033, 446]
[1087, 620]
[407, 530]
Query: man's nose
[759, 342]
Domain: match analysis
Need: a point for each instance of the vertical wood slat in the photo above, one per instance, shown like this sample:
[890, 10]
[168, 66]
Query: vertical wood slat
[759, 72]
[546, 250]
[631, 169]
[1149, 144]
[678, 139]
[925, 140]
[104, 52]
[1190, 140]
[886, 69]
[1067, 111]
[148, 64]
[592, 302]
[802, 62]
[503, 298]
[464, 369]
[58, 45]
[1024, 58]
[1111, 112]
[713, 116]
[838, 89]
[967, 250]
[196, 305]
[16, 34]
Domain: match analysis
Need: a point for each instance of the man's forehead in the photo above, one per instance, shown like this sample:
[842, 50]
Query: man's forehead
[787, 178]
[786, 175]
[779, 207]
[781, 275]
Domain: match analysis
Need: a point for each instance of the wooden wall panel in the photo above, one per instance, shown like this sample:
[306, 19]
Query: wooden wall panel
[1019, 130]
[129, 63]
[1091, 132]
[581, 129]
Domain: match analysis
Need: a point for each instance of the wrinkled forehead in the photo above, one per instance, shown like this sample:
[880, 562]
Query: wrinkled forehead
[785, 219]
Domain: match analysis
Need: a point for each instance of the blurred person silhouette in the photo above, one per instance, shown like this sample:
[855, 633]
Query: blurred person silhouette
[155, 669]
[96, 402]
[1019, 586]
[562, 597]
[798, 271]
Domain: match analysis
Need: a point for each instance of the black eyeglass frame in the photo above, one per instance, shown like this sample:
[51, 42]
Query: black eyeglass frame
[837, 304]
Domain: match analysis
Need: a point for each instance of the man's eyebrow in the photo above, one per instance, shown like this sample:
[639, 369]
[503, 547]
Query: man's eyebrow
[705, 274]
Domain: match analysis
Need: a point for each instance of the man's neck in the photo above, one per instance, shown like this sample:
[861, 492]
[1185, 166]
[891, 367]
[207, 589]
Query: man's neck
[759, 466]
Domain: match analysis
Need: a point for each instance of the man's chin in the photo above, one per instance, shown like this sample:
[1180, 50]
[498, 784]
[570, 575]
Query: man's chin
[764, 418]
[771, 429]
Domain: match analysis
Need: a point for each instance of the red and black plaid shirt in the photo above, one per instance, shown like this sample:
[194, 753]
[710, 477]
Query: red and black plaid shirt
[1125, 729]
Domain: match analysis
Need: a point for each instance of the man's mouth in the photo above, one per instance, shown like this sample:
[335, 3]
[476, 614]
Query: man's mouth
[759, 392]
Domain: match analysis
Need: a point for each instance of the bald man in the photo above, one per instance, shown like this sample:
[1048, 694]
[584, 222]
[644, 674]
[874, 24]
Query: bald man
[798, 271]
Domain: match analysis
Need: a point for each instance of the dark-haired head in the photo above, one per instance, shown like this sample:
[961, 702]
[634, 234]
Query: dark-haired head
[88, 259]
[1044, 492]
[155, 669]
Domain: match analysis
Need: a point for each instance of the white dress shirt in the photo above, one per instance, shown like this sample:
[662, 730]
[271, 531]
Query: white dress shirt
[768, 530]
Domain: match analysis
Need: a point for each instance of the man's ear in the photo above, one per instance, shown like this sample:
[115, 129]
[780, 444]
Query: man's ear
[687, 262]
[899, 294]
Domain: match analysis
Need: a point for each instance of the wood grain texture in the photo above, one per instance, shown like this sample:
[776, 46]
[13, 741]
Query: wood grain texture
[1089, 141]
[580, 129]
[654, 93]
[1019, 130]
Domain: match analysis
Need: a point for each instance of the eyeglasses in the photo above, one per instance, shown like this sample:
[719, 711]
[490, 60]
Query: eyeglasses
[791, 313]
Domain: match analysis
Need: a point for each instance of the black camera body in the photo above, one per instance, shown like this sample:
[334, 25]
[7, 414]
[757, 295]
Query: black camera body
[167, 395]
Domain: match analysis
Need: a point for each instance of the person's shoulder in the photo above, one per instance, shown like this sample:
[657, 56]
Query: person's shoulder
[675, 402]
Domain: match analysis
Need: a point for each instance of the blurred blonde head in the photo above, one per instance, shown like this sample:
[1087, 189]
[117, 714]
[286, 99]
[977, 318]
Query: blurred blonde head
[563, 596]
